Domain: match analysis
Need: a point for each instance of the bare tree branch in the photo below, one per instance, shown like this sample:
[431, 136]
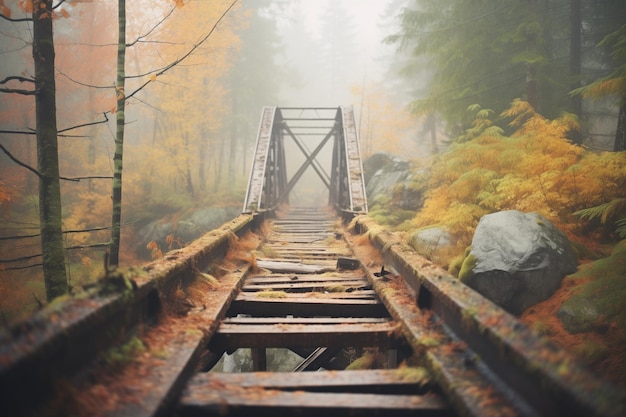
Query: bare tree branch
[15, 268]
[17, 132]
[10, 19]
[20, 259]
[58, 4]
[187, 54]
[139, 38]
[93, 245]
[93, 229]
[16, 91]
[106, 120]
[81, 83]
[36, 172]
[19, 237]
[17, 78]
[92, 177]
[17, 161]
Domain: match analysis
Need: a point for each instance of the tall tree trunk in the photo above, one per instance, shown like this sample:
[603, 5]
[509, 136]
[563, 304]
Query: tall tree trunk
[575, 54]
[50, 211]
[620, 133]
[219, 166]
[234, 121]
[202, 167]
[188, 176]
[431, 126]
[531, 67]
[116, 219]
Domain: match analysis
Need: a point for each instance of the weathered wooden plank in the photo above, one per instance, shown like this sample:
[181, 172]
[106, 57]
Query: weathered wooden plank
[297, 285]
[303, 320]
[229, 336]
[308, 307]
[307, 278]
[293, 267]
[298, 296]
[258, 402]
[389, 380]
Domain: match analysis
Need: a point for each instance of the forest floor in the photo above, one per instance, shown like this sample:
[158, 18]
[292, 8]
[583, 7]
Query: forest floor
[602, 352]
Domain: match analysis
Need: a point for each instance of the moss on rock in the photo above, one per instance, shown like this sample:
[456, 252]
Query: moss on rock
[599, 303]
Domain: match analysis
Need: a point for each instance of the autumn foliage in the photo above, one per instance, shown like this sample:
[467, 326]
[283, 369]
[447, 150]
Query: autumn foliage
[533, 168]
[175, 148]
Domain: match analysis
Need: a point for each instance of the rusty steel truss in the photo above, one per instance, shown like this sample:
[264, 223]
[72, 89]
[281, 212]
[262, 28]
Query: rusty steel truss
[269, 184]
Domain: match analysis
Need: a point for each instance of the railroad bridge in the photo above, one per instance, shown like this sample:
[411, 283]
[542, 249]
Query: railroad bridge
[375, 328]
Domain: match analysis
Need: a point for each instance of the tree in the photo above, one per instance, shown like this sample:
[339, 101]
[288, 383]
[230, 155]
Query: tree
[483, 52]
[122, 97]
[120, 93]
[613, 84]
[253, 82]
[490, 53]
[50, 209]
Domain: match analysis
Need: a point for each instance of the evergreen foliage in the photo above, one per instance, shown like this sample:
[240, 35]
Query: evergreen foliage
[493, 52]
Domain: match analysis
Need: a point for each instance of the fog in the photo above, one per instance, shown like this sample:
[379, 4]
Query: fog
[197, 75]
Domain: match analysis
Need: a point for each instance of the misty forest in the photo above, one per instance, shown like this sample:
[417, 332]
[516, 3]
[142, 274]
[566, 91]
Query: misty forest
[127, 130]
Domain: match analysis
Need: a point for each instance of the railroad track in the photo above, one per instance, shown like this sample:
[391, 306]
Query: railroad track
[334, 297]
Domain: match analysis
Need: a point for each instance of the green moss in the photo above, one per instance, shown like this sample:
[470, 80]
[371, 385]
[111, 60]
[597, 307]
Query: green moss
[124, 354]
[415, 375]
[455, 265]
[467, 316]
[57, 303]
[429, 341]
[467, 266]
[542, 328]
[192, 331]
[208, 279]
[161, 353]
[604, 294]
[364, 362]
[388, 292]
[620, 248]
[268, 251]
[592, 352]
[271, 294]
[336, 288]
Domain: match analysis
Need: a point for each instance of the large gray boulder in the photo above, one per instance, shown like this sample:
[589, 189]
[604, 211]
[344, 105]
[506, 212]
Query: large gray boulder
[517, 259]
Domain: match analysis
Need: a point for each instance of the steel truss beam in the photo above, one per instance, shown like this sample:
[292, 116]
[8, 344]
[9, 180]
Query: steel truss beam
[268, 185]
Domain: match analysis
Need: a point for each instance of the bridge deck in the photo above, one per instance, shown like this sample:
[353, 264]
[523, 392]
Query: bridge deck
[301, 300]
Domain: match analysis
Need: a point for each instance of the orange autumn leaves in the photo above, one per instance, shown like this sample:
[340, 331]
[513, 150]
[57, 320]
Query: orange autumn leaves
[536, 168]
[27, 6]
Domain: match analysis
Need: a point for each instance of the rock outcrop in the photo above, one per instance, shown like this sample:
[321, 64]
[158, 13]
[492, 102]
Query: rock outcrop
[183, 230]
[395, 178]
